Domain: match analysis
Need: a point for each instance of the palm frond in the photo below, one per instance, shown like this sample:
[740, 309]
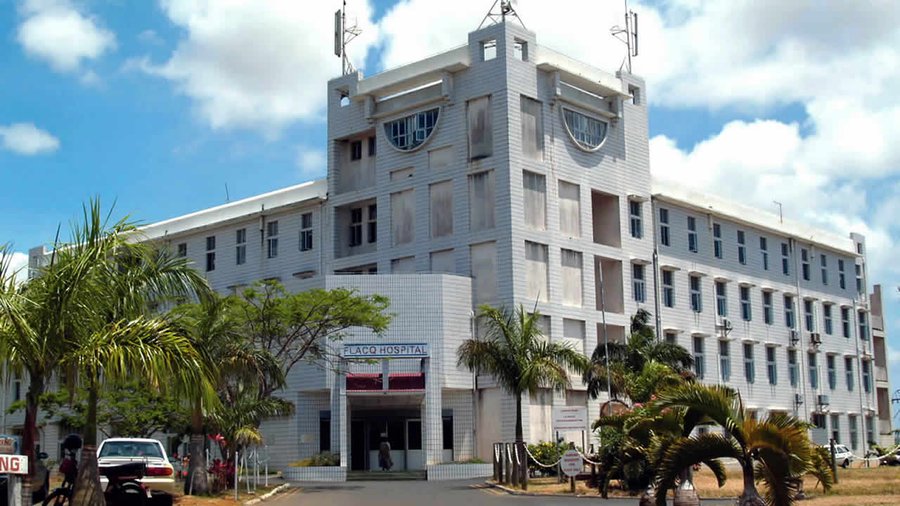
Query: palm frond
[685, 452]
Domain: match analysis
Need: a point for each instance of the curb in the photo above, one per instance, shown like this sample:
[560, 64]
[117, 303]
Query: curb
[512, 491]
[267, 495]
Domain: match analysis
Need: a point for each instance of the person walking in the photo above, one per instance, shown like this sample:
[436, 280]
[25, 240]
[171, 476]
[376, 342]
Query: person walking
[384, 454]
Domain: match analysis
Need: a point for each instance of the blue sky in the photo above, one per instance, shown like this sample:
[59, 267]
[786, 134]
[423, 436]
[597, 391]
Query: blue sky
[159, 106]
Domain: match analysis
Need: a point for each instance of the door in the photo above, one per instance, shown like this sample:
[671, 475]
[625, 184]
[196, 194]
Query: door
[358, 445]
[415, 455]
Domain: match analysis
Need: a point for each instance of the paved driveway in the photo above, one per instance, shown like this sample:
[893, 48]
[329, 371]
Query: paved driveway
[414, 493]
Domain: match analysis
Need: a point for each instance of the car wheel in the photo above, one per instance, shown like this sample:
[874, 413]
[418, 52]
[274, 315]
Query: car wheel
[846, 463]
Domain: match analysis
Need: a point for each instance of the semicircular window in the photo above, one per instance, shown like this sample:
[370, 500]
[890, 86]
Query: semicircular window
[410, 132]
[587, 132]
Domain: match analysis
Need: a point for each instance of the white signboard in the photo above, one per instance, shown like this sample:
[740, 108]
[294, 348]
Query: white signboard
[571, 463]
[385, 350]
[569, 418]
[13, 464]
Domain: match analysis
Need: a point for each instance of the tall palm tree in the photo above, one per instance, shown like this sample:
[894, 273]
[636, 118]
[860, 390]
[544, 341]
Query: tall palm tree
[515, 353]
[775, 450]
[613, 364]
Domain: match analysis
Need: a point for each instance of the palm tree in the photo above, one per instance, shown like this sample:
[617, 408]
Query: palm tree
[775, 450]
[613, 364]
[515, 353]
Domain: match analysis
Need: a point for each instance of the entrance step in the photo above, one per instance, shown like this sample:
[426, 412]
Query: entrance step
[386, 475]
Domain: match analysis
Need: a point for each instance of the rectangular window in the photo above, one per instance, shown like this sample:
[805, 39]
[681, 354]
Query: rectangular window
[635, 219]
[481, 143]
[535, 196]
[789, 312]
[866, 376]
[272, 239]
[572, 278]
[812, 360]
[836, 428]
[721, 299]
[717, 240]
[355, 150]
[532, 129]
[764, 250]
[863, 326]
[210, 253]
[793, 371]
[785, 259]
[536, 276]
[870, 429]
[804, 263]
[182, 250]
[692, 234]
[17, 389]
[306, 232]
[664, 226]
[483, 266]
[699, 363]
[443, 261]
[725, 360]
[823, 260]
[771, 365]
[671, 337]
[845, 321]
[569, 209]
[745, 304]
[240, 251]
[832, 371]
[441, 200]
[809, 321]
[859, 283]
[637, 277]
[372, 146]
[372, 224]
[826, 313]
[742, 247]
[403, 217]
[696, 294]
[355, 226]
[842, 279]
[848, 371]
[481, 201]
[749, 364]
[768, 312]
[668, 287]
[853, 422]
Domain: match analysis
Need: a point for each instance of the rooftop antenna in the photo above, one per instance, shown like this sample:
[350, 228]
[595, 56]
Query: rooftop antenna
[780, 211]
[497, 16]
[628, 35]
[227, 197]
[343, 34]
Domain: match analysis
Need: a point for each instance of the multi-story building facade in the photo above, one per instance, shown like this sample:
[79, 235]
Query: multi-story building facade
[505, 173]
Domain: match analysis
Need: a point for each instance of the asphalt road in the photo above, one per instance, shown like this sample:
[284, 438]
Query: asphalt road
[415, 493]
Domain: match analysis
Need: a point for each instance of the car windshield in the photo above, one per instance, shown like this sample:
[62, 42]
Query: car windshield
[130, 449]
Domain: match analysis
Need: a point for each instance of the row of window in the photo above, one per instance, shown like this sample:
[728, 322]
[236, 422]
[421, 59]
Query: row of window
[665, 239]
[749, 361]
[819, 421]
[240, 242]
[744, 293]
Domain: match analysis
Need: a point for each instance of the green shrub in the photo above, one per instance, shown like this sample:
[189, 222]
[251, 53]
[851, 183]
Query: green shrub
[324, 459]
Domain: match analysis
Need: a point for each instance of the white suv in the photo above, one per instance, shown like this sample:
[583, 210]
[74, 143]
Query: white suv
[122, 450]
[842, 455]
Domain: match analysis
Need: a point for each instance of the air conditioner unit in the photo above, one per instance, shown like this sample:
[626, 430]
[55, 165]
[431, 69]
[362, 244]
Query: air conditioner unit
[822, 400]
[726, 324]
[795, 338]
[798, 399]
[815, 338]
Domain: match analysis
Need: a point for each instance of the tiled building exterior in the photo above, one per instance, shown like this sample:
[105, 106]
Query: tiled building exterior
[505, 173]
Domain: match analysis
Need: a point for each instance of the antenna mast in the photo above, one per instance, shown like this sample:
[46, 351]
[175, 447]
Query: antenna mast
[628, 35]
[343, 34]
[499, 16]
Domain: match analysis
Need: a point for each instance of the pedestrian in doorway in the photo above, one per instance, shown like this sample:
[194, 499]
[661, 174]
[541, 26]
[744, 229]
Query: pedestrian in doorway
[384, 454]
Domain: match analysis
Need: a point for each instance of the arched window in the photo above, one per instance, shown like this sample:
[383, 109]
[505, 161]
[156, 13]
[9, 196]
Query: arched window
[587, 132]
[410, 132]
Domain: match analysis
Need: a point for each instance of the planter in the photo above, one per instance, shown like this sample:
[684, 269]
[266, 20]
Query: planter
[312, 473]
[444, 472]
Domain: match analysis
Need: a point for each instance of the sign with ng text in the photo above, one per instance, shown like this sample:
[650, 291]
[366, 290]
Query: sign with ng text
[13, 464]
[569, 418]
[385, 350]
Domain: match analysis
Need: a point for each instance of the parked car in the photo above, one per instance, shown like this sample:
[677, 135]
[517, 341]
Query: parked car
[842, 455]
[152, 453]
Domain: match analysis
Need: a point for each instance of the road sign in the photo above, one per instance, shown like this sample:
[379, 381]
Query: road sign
[13, 464]
[571, 463]
[567, 418]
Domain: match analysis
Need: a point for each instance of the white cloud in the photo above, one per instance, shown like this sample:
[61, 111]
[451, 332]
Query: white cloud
[18, 266]
[150, 37]
[257, 65]
[311, 162]
[27, 139]
[56, 32]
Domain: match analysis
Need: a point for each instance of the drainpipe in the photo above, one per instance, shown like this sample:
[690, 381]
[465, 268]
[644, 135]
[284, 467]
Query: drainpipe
[474, 395]
[854, 326]
[656, 274]
[796, 303]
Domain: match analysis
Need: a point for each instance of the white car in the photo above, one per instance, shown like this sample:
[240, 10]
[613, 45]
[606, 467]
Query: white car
[842, 455]
[122, 450]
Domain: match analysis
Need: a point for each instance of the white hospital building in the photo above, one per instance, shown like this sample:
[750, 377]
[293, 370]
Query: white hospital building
[503, 172]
